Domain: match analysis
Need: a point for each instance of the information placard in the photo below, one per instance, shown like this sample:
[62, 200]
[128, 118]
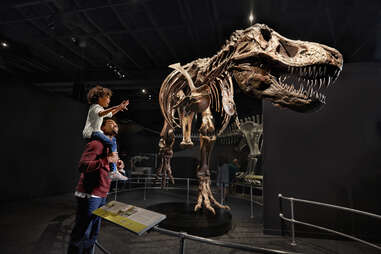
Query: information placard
[133, 218]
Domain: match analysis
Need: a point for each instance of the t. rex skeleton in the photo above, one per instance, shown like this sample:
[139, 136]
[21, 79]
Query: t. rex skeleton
[264, 64]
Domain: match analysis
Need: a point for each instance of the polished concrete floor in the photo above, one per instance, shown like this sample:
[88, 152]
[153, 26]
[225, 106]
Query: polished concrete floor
[43, 226]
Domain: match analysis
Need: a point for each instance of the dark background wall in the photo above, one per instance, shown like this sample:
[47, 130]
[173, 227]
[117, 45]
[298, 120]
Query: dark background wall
[41, 136]
[330, 156]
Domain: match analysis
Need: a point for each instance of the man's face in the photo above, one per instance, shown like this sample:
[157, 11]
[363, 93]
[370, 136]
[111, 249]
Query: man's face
[110, 128]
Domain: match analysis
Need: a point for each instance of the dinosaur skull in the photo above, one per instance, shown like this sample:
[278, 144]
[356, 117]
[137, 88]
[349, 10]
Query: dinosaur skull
[290, 73]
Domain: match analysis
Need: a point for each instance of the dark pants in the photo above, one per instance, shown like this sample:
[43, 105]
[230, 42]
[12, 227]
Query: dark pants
[87, 226]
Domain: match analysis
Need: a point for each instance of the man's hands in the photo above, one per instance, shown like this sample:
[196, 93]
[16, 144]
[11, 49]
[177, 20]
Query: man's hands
[120, 164]
[112, 158]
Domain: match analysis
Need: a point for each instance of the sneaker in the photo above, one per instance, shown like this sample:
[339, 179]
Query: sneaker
[115, 175]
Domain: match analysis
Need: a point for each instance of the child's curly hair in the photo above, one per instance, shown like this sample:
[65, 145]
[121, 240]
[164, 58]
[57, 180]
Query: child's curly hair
[97, 92]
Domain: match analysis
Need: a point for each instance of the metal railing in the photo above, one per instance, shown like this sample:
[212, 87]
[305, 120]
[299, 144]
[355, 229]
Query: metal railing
[184, 236]
[293, 221]
[148, 181]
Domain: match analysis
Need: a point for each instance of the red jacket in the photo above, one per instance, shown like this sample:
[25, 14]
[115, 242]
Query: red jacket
[94, 169]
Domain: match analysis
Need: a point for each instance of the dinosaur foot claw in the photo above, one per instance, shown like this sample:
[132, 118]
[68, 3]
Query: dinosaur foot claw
[206, 198]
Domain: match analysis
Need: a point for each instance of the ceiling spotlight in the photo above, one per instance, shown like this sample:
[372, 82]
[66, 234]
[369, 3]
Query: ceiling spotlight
[144, 91]
[4, 44]
[251, 18]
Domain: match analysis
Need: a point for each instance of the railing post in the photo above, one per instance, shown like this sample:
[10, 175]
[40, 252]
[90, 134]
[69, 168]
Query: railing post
[251, 203]
[293, 243]
[281, 214]
[100, 247]
[145, 187]
[188, 190]
[116, 189]
[182, 244]
[222, 193]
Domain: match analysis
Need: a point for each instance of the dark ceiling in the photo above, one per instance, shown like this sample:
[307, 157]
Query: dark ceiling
[67, 46]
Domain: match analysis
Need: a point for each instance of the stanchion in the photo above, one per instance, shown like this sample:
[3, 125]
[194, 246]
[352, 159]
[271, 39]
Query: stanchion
[251, 203]
[101, 248]
[293, 243]
[116, 189]
[145, 187]
[281, 214]
[222, 193]
[182, 243]
[187, 190]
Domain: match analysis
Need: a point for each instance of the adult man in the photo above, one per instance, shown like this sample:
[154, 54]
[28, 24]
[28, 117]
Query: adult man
[92, 189]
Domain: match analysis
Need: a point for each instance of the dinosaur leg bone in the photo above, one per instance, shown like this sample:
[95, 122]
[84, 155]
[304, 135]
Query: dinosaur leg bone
[165, 154]
[207, 140]
[186, 124]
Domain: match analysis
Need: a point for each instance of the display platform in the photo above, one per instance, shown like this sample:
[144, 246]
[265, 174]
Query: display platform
[182, 218]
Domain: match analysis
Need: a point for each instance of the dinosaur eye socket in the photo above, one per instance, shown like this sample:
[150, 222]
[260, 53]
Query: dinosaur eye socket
[266, 34]
[286, 49]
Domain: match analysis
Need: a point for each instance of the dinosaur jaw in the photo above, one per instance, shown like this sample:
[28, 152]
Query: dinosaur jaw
[302, 88]
[299, 88]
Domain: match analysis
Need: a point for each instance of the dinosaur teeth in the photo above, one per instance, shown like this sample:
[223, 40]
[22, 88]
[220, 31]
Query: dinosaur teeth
[336, 75]
[329, 81]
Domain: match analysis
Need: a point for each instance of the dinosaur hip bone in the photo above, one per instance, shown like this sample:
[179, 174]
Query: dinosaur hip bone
[289, 73]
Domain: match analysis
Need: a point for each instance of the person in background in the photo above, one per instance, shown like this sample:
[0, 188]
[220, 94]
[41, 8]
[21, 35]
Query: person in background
[234, 167]
[223, 175]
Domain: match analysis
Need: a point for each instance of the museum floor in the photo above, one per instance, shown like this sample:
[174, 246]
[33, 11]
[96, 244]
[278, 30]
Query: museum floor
[43, 225]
